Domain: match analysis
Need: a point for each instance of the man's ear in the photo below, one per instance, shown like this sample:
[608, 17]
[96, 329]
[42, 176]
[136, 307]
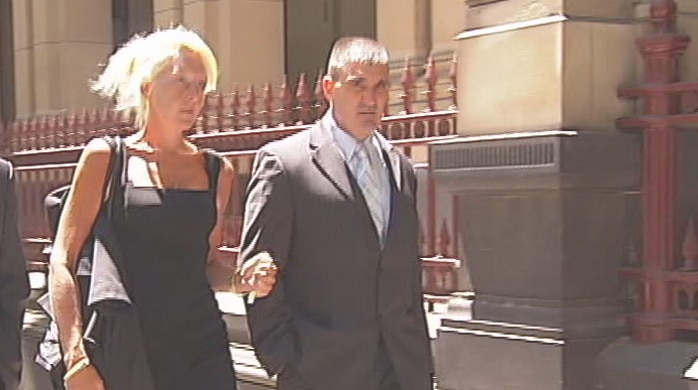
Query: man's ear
[328, 87]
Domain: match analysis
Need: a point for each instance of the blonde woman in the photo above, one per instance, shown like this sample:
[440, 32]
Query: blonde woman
[171, 225]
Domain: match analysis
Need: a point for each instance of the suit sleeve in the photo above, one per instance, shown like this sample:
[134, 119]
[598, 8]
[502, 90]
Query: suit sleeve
[267, 227]
[14, 286]
[419, 293]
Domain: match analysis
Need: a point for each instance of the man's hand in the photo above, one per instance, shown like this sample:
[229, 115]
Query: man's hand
[257, 275]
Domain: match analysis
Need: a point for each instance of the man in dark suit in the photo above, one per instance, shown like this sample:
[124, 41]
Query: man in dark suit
[14, 286]
[335, 207]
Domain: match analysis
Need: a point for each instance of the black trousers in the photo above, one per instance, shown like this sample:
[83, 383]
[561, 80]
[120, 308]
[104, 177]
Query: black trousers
[10, 349]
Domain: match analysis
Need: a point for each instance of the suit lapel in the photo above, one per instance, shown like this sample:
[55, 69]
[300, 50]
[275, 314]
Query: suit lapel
[393, 157]
[400, 196]
[329, 160]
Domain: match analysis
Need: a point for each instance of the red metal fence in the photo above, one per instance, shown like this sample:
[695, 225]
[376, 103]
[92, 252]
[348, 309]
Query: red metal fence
[667, 279]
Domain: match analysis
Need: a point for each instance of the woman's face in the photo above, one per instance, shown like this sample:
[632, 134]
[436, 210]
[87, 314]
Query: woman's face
[176, 95]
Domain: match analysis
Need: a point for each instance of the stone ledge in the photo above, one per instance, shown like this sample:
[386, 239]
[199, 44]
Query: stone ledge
[511, 356]
[475, 3]
[550, 159]
[626, 365]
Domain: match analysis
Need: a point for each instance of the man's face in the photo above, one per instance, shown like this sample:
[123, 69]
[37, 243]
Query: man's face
[358, 97]
[176, 95]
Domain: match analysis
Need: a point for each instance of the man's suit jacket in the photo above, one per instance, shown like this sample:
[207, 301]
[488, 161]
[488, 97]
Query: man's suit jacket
[14, 286]
[339, 292]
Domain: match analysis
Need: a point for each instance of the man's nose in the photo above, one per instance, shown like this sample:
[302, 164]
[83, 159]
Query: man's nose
[369, 97]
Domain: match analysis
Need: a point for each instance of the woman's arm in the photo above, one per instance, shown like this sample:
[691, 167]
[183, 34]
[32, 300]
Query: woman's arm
[79, 214]
[259, 274]
[225, 187]
[220, 272]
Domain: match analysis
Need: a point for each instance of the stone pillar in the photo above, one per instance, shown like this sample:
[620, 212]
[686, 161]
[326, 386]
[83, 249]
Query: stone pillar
[545, 217]
[251, 42]
[58, 47]
[404, 26]
[547, 72]
[24, 57]
[167, 13]
[547, 189]
[247, 36]
[446, 23]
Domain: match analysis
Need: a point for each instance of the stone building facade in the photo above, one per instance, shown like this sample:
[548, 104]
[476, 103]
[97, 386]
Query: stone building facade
[50, 49]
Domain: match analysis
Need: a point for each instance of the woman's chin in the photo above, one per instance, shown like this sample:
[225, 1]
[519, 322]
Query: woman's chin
[185, 126]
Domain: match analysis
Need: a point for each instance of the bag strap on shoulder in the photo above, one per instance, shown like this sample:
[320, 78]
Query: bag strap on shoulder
[214, 163]
[116, 171]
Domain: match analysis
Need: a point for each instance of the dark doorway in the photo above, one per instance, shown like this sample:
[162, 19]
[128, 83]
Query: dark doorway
[313, 25]
[130, 17]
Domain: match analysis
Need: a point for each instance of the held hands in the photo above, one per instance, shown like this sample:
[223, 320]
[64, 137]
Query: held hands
[257, 276]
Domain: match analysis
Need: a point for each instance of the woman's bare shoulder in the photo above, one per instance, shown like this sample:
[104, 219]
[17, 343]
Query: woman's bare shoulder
[95, 156]
[98, 147]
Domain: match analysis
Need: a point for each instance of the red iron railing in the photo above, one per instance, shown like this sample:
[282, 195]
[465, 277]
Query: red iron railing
[666, 281]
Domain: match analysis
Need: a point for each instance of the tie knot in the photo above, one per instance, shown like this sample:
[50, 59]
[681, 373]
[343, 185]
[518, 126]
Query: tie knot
[371, 151]
[366, 156]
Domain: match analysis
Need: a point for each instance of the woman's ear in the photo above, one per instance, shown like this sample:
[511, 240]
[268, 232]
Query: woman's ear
[146, 87]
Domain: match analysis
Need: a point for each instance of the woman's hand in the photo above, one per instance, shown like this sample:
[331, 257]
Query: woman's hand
[257, 275]
[86, 379]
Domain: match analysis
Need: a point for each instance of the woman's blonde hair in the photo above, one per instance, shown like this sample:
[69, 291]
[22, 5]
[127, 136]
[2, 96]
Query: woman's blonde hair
[141, 59]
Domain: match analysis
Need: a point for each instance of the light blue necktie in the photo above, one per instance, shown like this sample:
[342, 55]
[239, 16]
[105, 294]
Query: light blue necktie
[369, 174]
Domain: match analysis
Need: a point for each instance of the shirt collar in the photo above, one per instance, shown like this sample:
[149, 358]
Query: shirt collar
[346, 143]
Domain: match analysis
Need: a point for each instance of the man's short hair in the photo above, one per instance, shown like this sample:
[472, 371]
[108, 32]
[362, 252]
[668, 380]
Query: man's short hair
[355, 49]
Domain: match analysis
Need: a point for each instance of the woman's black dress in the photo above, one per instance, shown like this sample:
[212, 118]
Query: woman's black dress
[164, 234]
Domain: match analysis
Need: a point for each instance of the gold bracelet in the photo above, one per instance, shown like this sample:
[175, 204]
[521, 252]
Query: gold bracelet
[76, 368]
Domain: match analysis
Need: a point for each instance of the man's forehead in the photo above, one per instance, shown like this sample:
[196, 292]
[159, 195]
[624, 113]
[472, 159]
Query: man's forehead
[366, 70]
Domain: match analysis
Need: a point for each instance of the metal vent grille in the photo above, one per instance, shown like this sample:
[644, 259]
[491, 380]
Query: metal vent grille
[495, 154]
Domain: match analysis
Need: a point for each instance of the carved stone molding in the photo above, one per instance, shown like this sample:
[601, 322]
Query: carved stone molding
[474, 3]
